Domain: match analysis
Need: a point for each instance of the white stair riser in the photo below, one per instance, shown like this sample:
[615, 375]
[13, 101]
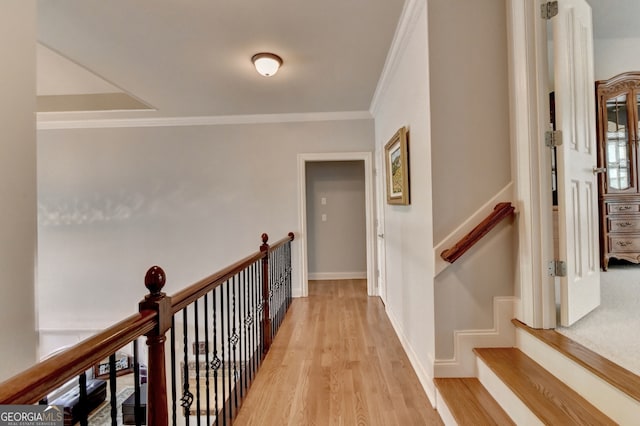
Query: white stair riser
[509, 401]
[609, 400]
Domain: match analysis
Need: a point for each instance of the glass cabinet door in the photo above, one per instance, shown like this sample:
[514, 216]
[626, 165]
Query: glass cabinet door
[618, 149]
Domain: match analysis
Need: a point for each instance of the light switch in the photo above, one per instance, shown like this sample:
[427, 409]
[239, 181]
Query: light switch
[323, 201]
[324, 217]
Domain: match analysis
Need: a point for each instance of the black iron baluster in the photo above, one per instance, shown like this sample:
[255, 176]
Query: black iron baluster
[174, 414]
[244, 326]
[187, 397]
[112, 390]
[223, 341]
[206, 356]
[254, 314]
[136, 379]
[289, 274]
[83, 412]
[196, 345]
[215, 363]
[228, 341]
[234, 342]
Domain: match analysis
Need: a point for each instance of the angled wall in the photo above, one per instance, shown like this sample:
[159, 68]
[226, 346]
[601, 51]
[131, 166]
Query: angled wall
[17, 185]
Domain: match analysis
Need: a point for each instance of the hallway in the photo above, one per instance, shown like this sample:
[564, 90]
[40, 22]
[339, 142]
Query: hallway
[337, 361]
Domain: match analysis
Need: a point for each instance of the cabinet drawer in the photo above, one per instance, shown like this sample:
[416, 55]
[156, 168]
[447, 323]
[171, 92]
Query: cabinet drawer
[623, 208]
[624, 225]
[622, 244]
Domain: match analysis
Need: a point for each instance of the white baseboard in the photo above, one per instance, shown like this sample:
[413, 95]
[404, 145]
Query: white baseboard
[337, 275]
[463, 363]
[423, 376]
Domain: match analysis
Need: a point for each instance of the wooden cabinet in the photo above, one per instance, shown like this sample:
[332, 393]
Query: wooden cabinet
[618, 137]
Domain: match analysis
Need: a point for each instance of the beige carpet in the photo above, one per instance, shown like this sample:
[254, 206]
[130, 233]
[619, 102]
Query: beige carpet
[613, 329]
[102, 415]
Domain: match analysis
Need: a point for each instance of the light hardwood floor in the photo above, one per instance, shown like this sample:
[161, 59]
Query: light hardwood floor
[337, 361]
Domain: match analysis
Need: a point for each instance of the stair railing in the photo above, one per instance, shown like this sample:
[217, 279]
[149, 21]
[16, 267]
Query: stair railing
[229, 318]
[499, 213]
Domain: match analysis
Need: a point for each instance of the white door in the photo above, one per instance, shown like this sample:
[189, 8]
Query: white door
[577, 187]
[380, 243]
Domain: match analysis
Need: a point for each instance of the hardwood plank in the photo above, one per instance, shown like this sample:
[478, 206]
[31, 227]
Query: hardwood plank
[470, 403]
[336, 361]
[602, 367]
[550, 399]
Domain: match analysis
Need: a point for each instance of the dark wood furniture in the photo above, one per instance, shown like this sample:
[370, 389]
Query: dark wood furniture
[129, 408]
[96, 395]
[618, 134]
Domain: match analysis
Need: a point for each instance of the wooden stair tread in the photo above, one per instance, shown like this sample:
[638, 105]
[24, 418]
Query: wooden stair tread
[470, 403]
[612, 373]
[552, 401]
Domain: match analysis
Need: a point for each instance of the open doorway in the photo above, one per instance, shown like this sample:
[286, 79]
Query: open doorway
[336, 220]
[365, 160]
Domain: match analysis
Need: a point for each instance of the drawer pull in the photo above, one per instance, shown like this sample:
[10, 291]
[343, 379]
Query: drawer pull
[624, 243]
[623, 224]
[623, 208]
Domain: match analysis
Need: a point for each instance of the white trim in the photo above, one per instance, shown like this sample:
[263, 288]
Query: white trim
[443, 410]
[508, 400]
[411, 11]
[337, 275]
[505, 195]
[370, 233]
[423, 376]
[529, 116]
[616, 404]
[463, 363]
[96, 123]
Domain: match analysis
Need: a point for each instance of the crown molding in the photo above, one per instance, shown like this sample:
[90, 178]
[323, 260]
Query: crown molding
[44, 124]
[410, 13]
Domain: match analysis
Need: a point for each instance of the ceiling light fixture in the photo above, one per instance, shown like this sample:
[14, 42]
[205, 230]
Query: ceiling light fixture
[266, 64]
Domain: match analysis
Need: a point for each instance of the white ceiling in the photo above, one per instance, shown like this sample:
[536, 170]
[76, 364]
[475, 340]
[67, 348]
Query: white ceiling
[192, 57]
[615, 18]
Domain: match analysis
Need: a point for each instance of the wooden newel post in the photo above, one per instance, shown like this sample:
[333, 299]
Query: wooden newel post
[157, 410]
[266, 316]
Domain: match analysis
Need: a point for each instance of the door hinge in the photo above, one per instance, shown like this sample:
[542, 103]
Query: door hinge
[553, 138]
[557, 268]
[549, 9]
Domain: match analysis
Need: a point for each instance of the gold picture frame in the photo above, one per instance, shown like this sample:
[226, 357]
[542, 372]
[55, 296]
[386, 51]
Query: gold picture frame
[397, 167]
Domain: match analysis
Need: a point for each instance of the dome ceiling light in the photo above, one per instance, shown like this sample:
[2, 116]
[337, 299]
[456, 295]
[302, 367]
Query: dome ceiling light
[267, 64]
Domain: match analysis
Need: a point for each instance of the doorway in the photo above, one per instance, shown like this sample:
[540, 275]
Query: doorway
[369, 231]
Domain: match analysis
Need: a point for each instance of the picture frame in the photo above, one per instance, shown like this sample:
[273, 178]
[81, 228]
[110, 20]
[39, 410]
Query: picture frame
[397, 168]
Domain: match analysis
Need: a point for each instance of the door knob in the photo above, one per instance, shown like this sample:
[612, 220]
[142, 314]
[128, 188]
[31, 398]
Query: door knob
[380, 235]
[597, 170]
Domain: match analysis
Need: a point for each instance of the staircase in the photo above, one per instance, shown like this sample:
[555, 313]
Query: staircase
[547, 379]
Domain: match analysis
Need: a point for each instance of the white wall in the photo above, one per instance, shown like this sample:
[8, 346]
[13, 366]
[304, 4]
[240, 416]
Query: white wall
[403, 100]
[17, 185]
[115, 201]
[471, 157]
[613, 56]
[336, 246]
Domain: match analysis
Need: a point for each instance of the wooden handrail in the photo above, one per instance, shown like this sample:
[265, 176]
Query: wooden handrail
[31, 385]
[500, 212]
[185, 297]
[152, 320]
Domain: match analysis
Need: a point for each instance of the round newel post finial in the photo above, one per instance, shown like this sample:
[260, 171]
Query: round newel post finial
[155, 280]
[265, 238]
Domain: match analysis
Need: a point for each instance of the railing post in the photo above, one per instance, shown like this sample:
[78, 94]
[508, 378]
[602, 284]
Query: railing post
[157, 411]
[266, 323]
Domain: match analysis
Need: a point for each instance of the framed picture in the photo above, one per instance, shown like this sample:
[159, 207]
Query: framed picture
[397, 160]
